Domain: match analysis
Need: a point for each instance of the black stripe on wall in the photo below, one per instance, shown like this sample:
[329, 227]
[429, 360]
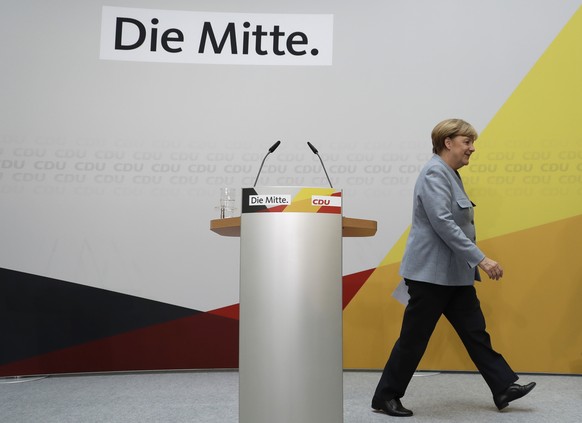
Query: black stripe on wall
[39, 315]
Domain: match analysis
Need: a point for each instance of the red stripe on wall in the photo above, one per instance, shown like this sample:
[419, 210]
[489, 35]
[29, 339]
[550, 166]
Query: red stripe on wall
[196, 342]
[352, 284]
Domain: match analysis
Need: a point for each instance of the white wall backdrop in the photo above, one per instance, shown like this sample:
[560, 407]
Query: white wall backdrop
[110, 170]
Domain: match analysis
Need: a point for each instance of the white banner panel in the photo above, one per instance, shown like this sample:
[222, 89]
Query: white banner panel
[149, 35]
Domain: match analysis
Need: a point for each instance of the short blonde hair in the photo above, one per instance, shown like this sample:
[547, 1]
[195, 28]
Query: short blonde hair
[450, 128]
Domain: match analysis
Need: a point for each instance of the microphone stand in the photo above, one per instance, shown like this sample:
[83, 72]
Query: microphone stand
[321, 161]
[273, 148]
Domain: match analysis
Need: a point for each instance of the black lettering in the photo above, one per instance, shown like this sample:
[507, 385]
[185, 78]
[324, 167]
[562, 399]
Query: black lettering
[276, 34]
[207, 31]
[246, 38]
[119, 34]
[153, 41]
[167, 39]
[292, 42]
[258, 34]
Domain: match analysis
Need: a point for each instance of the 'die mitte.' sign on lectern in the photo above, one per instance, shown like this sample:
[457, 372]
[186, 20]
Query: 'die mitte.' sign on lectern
[290, 348]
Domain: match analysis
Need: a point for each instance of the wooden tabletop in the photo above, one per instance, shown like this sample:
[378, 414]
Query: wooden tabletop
[351, 227]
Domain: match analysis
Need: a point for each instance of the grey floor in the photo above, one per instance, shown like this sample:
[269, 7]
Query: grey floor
[212, 397]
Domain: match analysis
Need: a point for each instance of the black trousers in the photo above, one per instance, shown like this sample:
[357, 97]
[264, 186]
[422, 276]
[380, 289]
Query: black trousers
[461, 307]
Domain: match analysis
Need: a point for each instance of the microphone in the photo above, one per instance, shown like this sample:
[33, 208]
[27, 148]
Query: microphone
[317, 154]
[273, 148]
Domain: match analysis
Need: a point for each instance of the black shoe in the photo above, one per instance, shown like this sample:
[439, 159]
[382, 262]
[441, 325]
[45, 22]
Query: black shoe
[514, 392]
[391, 407]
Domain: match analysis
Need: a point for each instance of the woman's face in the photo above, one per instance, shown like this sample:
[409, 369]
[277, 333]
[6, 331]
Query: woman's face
[459, 150]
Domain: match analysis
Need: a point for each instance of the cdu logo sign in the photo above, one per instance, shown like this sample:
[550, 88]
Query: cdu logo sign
[328, 201]
[215, 38]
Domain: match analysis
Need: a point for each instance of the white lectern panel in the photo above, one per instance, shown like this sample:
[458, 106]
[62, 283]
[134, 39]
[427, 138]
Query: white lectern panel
[291, 318]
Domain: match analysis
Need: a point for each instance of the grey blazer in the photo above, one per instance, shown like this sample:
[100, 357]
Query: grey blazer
[441, 245]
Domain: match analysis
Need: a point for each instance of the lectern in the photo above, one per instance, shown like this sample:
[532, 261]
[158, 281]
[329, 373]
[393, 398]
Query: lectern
[290, 348]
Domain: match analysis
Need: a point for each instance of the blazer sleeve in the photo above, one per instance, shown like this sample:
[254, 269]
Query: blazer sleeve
[436, 195]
